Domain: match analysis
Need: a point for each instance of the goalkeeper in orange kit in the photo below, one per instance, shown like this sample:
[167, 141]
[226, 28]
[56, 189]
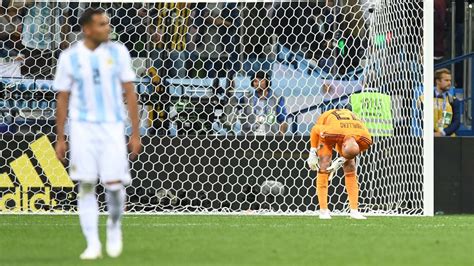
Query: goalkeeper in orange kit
[338, 129]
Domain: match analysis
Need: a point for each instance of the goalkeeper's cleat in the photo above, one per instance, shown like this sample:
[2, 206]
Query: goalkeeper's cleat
[355, 214]
[114, 239]
[335, 165]
[92, 253]
[324, 214]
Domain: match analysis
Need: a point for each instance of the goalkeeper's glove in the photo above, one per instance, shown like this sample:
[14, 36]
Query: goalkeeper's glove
[335, 165]
[313, 159]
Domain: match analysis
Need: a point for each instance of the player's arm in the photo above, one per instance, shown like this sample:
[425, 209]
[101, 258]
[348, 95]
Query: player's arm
[313, 159]
[127, 77]
[317, 128]
[455, 121]
[131, 99]
[314, 136]
[62, 103]
[62, 84]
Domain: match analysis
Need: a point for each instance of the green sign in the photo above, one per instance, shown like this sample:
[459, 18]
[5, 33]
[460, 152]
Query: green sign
[375, 109]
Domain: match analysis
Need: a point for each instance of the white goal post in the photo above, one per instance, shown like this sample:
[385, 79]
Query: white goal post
[210, 144]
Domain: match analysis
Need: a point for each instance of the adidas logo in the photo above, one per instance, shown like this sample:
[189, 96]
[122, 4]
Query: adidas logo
[28, 180]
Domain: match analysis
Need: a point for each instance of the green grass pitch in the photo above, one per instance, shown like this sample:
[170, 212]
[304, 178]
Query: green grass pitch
[245, 240]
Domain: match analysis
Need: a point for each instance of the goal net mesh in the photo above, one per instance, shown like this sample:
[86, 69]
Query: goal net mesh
[228, 93]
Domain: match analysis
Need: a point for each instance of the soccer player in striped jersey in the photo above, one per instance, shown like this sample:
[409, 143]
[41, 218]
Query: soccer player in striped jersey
[338, 129]
[92, 78]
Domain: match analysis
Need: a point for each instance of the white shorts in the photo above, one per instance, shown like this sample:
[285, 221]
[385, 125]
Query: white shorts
[98, 150]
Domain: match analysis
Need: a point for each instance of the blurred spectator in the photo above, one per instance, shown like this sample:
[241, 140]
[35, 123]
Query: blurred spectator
[228, 122]
[72, 14]
[217, 38]
[439, 28]
[447, 113]
[129, 22]
[266, 112]
[351, 45]
[169, 30]
[295, 26]
[257, 35]
[328, 19]
[43, 33]
[325, 37]
[10, 29]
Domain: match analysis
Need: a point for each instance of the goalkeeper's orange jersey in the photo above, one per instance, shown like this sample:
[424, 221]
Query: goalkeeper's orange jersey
[334, 126]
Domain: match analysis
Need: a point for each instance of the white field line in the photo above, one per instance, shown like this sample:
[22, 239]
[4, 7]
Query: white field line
[203, 213]
[317, 223]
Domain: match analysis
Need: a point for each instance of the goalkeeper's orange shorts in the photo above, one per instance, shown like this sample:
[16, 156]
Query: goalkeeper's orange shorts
[334, 141]
[327, 145]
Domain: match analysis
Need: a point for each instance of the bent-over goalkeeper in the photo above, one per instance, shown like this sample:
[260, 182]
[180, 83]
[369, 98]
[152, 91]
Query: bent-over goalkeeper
[338, 129]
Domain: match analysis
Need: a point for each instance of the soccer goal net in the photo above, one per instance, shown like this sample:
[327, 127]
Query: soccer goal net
[228, 93]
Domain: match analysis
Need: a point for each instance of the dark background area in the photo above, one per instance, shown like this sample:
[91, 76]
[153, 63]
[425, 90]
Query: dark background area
[453, 175]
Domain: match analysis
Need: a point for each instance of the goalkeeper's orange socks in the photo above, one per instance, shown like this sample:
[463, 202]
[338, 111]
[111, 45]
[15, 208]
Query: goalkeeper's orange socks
[322, 189]
[352, 188]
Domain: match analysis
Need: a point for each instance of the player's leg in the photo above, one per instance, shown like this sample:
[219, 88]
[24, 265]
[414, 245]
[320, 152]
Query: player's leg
[83, 168]
[114, 174]
[325, 155]
[352, 188]
[115, 196]
[88, 210]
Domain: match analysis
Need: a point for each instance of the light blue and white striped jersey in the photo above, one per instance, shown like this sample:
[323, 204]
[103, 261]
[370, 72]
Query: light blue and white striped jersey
[95, 79]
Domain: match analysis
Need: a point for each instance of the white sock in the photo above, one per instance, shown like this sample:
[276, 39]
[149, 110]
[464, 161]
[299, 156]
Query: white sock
[88, 209]
[115, 197]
